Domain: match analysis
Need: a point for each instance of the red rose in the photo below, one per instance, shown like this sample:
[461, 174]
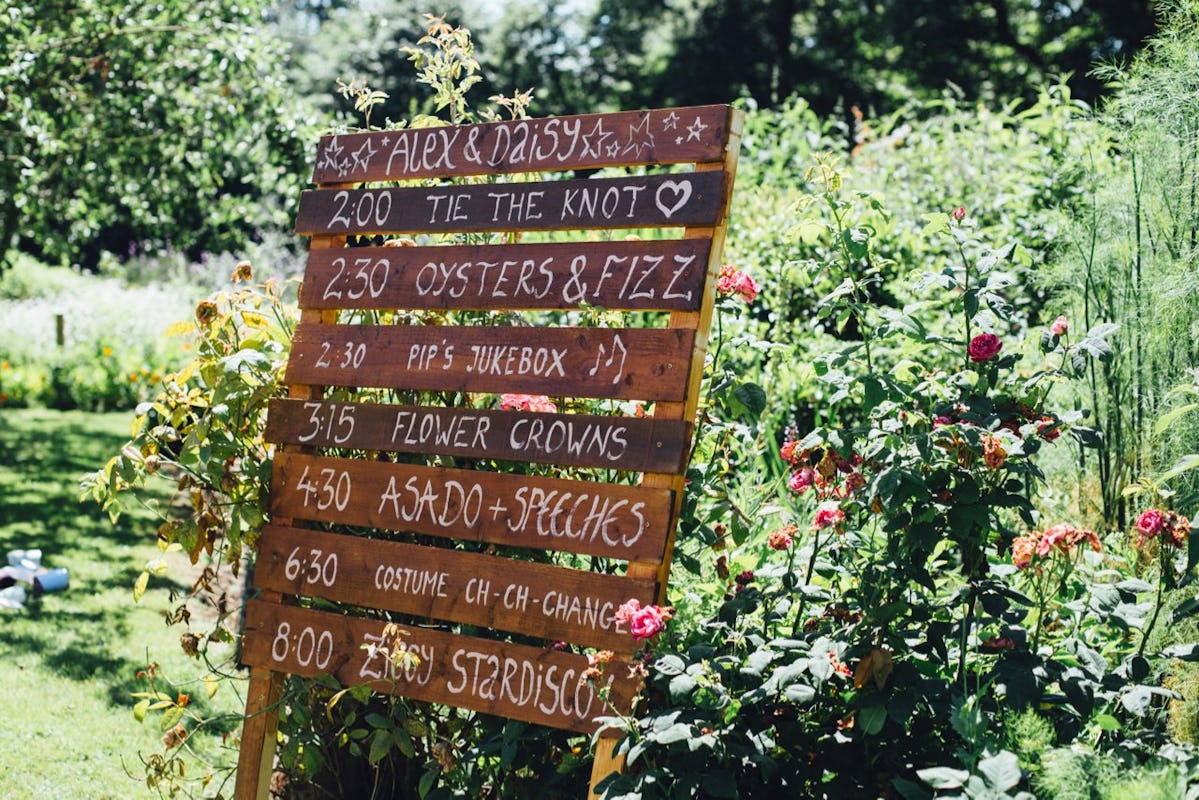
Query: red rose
[984, 347]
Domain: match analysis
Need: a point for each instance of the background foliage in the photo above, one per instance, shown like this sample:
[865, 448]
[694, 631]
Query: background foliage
[884, 614]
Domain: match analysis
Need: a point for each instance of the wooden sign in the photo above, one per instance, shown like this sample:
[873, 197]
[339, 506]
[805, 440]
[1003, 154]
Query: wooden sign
[539, 685]
[452, 585]
[600, 519]
[588, 141]
[625, 275]
[597, 203]
[457, 523]
[620, 363]
[640, 444]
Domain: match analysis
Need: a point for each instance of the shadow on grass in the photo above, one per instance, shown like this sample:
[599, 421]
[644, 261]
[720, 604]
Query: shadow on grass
[87, 632]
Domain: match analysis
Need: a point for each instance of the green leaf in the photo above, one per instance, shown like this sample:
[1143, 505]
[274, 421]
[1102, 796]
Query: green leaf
[681, 687]
[670, 665]
[427, 780]
[1184, 609]
[380, 746]
[140, 709]
[856, 241]
[753, 397]
[1183, 652]
[679, 732]
[1184, 464]
[810, 230]
[937, 222]
[871, 719]
[1087, 437]
[1166, 420]
[1107, 722]
[800, 693]
[1001, 771]
[171, 717]
[943, 777]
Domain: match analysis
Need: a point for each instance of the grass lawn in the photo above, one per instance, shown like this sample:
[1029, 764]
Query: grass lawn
[68, 661]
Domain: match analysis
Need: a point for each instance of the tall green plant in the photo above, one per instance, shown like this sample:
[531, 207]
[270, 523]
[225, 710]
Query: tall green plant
[1131, 255]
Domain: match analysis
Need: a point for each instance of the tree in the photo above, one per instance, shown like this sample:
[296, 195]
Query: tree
[123, 124]
[838, 53]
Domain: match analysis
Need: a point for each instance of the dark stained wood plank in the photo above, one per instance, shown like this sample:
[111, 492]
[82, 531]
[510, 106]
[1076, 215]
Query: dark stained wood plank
[624, 363]
[678, 200]
[584, 517]
[624, 275]
[588, 141]
[553, 603]
[638, 444]
[542, 686]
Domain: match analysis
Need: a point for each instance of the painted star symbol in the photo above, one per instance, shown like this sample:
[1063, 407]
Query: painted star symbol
[385, 141]
[599, 134]
[694, 130]
[613, 149]
[364, 154]
[670, 122]
[646, 140]
[331, 154]
[678, 140]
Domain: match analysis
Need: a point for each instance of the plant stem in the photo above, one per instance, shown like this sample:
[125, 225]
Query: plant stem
[1157, 605]
[807, 580]
[967, 623]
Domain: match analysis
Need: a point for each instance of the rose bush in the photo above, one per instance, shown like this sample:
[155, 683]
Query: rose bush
[904, 623]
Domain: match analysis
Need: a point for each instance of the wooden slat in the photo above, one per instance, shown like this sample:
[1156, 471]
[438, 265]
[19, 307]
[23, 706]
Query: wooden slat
[599, 203]
[588, 141]
[543, 686]
[624, 275]
[624, 363]
[552, 603]
[576, 440]
[589, 518]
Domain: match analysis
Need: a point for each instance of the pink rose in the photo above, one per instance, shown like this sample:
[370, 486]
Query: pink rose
[801, 479]
[958, 213]
[984, 347]
[626, 611]
[1150, 523]
[1059, 326]
[827, 517]
[647, 623]
[643, 623]
[527, 402]
[738, 282]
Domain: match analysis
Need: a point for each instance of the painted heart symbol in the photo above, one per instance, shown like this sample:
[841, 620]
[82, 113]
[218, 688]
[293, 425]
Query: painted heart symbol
[672, 195]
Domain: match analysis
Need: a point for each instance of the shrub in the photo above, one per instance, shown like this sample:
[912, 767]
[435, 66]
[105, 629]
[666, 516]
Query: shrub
[911, 624]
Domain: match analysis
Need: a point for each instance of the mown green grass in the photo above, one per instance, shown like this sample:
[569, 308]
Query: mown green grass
[68, 662]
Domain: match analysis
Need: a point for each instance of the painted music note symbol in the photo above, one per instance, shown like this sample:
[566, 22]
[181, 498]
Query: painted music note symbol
[617, 344]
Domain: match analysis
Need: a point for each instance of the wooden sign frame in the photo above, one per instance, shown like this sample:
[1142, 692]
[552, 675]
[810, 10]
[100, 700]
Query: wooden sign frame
[445, 475]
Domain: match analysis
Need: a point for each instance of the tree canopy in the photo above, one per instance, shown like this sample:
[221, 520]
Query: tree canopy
[131, 123]
[184, 121]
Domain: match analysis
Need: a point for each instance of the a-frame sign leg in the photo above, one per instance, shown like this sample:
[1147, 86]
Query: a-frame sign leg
[257, 758]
